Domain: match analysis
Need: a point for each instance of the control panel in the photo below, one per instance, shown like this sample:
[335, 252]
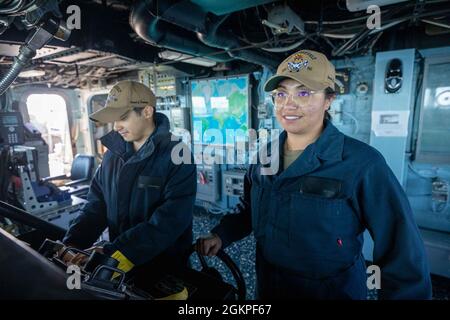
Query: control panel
[233, 181]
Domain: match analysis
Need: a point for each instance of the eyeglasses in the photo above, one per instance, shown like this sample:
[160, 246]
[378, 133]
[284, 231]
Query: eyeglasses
[300, 98]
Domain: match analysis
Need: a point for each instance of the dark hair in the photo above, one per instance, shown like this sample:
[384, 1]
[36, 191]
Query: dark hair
[138, 110]
[329, 93]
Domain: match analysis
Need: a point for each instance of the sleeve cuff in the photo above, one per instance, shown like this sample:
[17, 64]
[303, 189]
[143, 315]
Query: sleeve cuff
[109, 249]
[222, 235]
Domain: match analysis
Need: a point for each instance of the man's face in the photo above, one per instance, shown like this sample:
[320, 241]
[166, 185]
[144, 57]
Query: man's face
[132, 127]
[296, 118]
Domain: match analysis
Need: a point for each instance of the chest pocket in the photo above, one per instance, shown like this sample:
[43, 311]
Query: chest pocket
[150, 182]
[320, 226]
[146, 197]
[321, 187]
[321, 223]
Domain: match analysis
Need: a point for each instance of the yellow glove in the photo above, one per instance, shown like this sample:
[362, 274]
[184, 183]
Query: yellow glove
[124, 264]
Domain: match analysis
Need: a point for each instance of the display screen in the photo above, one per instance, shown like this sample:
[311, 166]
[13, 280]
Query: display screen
[221, 105]
[9, 120]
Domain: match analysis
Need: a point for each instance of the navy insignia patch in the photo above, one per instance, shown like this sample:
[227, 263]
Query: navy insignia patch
[298, 62]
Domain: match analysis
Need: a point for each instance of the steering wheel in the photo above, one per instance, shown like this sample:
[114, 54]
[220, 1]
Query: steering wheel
[241, 289]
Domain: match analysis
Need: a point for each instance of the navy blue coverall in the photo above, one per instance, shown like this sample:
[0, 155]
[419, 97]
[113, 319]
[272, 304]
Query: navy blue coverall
[144, 199]
[309, 219]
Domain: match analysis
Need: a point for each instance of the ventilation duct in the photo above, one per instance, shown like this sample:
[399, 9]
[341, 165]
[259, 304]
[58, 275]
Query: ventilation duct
[166, 24]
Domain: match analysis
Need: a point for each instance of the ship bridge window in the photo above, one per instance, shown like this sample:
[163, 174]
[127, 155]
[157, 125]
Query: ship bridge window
[48, 113]
[95, 103]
